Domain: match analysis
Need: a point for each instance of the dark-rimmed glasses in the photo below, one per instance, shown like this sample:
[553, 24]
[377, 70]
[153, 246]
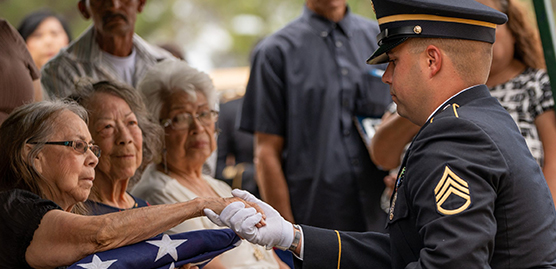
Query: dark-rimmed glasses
[184, 120]
[78, 145]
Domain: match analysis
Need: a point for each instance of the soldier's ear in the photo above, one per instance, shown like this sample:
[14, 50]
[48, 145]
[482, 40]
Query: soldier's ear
[82, 6]
[434, 59]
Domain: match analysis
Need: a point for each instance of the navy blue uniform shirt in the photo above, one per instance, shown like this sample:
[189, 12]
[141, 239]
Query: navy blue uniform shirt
[307, 82]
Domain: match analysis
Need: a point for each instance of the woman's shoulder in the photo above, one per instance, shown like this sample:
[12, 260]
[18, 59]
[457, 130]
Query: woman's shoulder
[151, 180]
[139, 202]
[531, 75]
[22, 198]
[20, 215]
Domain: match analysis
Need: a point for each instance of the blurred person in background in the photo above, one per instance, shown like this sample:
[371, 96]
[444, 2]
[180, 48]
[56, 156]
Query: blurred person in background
[45, 33]
[173, 48]
[107, 50]
[235, 149]
[306, 86]
[129, 140]
[19, 76]
[182, 99]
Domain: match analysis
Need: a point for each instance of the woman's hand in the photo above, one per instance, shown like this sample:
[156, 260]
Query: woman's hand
[217, 204]
[276, 233]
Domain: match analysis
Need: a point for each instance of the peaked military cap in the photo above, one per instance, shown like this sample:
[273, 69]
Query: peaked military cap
[460, 19]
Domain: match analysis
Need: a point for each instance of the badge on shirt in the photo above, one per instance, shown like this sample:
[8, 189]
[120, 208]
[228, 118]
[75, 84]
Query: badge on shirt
[452, 193]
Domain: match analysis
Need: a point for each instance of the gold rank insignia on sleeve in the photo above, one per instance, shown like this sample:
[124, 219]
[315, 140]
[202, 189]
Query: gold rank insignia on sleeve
[452, 193]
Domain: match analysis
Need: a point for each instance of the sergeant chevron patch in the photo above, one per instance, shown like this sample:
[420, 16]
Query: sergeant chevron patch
[452, 193]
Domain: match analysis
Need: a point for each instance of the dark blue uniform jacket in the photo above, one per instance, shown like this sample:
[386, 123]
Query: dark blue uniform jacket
[469, 195]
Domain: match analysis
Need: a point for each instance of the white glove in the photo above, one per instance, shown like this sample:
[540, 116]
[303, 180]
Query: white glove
[277, 231]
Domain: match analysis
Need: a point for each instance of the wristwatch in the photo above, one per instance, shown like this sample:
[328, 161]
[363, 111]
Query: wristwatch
[296, 237]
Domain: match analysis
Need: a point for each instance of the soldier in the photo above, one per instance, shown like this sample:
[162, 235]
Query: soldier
[469, 193]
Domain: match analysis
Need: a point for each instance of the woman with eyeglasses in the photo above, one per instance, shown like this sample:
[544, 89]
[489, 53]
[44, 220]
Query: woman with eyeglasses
[120, 124]
[47, 169]
[182, 99]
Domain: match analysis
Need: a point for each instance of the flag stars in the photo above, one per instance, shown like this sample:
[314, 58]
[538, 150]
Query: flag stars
[167, 246]
[97, 263]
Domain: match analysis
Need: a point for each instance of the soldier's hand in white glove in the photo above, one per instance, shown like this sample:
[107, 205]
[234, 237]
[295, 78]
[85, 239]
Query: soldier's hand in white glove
[275, 232]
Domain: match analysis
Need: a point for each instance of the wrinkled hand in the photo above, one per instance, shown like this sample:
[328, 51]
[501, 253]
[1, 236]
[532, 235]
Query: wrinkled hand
[277, 231]
[217, 204]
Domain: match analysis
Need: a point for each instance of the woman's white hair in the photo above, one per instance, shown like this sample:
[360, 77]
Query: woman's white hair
[170, 76]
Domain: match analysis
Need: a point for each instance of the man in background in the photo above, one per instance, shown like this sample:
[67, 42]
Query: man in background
[108, 50]
[308, 81]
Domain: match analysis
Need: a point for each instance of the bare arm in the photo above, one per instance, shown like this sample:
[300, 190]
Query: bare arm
[271, 179]
[64, 238]
[388, 143]
[546, 126]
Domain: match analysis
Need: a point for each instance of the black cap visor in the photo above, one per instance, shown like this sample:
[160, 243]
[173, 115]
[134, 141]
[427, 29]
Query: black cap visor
[380, 56]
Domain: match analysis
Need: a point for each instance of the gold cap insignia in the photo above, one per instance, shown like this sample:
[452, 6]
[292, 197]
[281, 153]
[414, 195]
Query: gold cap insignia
[417, 29]
[450, 187]
[373, 6]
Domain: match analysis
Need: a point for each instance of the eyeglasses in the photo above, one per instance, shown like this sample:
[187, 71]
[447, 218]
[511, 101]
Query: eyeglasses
[78, 145]
[184, 120]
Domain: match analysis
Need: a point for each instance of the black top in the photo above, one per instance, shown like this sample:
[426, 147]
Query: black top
[307, 82]
[96, 208]
[469, 195]
[20, 215]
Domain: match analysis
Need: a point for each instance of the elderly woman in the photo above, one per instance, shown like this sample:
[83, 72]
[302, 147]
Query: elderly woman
[182, 100]
[120, 125]
[47, 166]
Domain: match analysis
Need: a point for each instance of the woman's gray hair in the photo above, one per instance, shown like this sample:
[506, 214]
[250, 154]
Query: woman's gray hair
[170, 76]
[31, 123]
[152, 131]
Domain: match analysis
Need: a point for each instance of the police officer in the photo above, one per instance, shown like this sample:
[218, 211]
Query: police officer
[469, 193]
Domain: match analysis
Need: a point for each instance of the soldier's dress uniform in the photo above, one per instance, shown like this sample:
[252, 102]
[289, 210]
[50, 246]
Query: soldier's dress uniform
[469, 194]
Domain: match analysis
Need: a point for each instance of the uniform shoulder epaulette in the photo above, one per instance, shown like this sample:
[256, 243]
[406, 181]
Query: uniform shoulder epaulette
[454, 107]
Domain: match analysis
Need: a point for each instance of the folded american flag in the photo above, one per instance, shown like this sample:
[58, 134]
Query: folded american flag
[164, 251]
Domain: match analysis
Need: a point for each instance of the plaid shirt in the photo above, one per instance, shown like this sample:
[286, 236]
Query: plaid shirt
[83, 57]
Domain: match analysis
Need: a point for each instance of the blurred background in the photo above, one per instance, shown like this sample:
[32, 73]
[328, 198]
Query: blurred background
[215, 35]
